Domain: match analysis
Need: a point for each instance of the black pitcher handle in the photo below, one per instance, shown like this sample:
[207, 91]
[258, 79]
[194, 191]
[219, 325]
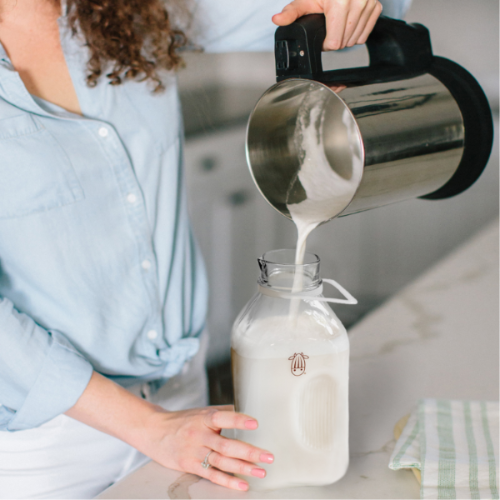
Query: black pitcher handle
[395, 49]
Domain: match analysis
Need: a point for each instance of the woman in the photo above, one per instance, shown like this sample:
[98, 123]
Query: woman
[102, 287]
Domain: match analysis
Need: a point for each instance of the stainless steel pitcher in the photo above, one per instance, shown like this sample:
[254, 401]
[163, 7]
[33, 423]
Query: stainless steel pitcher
[416, 124]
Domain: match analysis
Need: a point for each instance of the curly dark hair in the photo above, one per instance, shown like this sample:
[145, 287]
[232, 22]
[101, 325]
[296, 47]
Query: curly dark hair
[127, 38]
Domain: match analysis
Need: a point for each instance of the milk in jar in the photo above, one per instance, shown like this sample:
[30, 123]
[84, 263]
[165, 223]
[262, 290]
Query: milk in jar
[290, 372]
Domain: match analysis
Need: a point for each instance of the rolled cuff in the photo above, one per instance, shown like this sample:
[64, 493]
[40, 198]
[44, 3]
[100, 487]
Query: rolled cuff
[64, 376]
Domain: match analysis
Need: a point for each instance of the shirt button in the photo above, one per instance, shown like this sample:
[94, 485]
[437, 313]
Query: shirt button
[131, 198]
[152, 334]
[146, 264]
[103, 132]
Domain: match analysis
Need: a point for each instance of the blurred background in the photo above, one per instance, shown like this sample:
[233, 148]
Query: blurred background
[373, 254]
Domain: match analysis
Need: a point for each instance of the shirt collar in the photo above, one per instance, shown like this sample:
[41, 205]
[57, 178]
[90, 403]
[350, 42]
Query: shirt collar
[64, 8]
[4, 58]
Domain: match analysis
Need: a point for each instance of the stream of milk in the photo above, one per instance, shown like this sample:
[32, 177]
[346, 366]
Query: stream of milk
[327, 192]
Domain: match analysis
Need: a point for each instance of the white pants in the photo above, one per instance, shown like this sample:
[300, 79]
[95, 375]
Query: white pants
[67, 459]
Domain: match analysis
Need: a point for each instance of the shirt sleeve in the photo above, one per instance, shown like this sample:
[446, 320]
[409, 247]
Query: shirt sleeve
[229, 26]
[396, 9]
[41, 374]
[220, 26]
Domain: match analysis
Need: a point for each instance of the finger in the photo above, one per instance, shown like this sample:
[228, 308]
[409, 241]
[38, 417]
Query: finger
[337, 88]
[230, 420]
[235, 466]
[363, 20]
[336, 18]
[218, 477]
[370, 24]
[356, 11]
[296, 9]
[233, 448]
[224, 407]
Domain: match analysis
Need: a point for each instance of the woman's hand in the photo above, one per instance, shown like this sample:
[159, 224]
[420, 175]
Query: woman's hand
[181, 440]
[348, 22]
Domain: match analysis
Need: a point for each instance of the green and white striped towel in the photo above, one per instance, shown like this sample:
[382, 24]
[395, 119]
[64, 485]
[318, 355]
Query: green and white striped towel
[455, 446]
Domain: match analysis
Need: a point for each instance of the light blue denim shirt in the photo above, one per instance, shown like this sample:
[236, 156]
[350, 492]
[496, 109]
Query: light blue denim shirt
[99, 269]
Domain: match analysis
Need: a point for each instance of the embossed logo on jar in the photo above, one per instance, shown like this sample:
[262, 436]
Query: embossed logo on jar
[298, 363]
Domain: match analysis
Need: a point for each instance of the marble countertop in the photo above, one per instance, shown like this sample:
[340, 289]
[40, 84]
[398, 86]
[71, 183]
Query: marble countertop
[437, 338]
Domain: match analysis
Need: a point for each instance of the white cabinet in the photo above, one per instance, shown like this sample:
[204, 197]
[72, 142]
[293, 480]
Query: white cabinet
[232, 223]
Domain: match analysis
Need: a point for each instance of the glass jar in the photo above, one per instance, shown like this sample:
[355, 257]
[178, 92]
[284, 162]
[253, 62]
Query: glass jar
[290, 364]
